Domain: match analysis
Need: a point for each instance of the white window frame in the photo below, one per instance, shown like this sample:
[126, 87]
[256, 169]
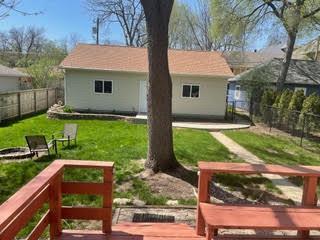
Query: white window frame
[301, 88]
[191, 85]
[237, 92]
[102, 80]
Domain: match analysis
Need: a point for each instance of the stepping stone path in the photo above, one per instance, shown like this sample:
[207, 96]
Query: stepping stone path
[290, 190]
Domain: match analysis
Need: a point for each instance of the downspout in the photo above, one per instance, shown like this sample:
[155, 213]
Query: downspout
[317, 49]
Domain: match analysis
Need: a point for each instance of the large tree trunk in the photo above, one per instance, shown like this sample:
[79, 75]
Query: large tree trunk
[286, 61]
[160, 153]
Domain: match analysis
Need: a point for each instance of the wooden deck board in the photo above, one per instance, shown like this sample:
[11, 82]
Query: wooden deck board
[137, 231]
[246, 168]
[252, 217]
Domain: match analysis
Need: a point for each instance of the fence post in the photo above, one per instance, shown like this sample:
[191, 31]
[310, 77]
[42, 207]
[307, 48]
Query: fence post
[303, 127]
[19, 104]
[47, 98]
[233, 110]
[56, 95]
[271, 118]
[35, 100]
[1, 101]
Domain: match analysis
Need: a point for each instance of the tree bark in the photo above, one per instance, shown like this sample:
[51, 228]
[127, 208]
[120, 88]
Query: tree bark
[161, 156]
[286, 61]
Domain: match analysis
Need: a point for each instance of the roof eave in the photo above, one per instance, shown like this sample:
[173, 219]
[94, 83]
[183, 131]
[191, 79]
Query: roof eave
[141, 72]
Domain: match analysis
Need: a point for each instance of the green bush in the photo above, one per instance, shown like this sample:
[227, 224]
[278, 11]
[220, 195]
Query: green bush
[267, 99]
[311, 105]
[277, 100]
[67, 109]
[297, 101]
[284, 102]
[294, 108]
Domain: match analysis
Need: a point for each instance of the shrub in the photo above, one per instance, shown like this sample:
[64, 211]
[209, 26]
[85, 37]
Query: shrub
[67, 109]
[311, 105]
[283, 105]
[267, 99]
[297, 101]
[295, 107]
[277, 100]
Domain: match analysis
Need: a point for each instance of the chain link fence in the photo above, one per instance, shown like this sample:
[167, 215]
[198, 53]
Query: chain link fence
[302, 125]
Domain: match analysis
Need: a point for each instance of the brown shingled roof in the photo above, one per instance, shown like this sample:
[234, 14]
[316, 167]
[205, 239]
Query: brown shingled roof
[130, 59]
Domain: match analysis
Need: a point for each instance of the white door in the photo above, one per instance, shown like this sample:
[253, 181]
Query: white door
[143, 97]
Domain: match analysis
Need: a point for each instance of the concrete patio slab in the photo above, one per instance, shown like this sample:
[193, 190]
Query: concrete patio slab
[210, 126]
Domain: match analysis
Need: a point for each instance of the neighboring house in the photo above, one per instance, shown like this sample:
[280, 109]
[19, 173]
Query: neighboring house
[10, 79]
[241, 61]
[114, 79]
[309, 51]
[302, 74]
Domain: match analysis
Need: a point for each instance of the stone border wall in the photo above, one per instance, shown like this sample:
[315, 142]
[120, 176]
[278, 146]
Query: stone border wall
[56, 112]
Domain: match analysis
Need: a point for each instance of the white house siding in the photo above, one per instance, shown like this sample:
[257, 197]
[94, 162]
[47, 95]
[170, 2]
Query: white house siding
[9, 84]
[212, 100]
[80, 91]
[126, 90]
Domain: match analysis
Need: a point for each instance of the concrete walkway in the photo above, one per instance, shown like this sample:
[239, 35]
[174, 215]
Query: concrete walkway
[289, 190]
[210, 126]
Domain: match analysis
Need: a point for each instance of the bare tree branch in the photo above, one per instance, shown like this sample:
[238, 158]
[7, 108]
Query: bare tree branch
[312, 13]
[127, 13]
[7, 6]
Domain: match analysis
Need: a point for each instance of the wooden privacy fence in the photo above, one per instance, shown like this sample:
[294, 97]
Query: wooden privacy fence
[20, 103]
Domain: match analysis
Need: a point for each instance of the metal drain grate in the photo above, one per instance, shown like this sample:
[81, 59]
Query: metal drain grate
[152, 218]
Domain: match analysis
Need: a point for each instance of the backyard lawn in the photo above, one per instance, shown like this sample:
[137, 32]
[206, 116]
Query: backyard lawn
[277, 149]
[118, 141]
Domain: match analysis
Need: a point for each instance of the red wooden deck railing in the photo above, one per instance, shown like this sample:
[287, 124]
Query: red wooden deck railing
[48, 187]
[207, 170]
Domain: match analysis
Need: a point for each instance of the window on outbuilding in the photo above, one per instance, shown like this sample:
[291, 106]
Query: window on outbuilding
[237, 92]
[107, 87]
[301, 88]
[190, 91]
[98, 86]
[101, 86]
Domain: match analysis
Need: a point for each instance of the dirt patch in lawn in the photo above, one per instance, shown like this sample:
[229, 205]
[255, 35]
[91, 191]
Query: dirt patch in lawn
[264, 129]
[182, 184]
[171, 185]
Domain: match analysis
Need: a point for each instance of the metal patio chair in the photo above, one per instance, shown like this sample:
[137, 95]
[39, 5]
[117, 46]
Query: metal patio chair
[69, 134]
[38, 143]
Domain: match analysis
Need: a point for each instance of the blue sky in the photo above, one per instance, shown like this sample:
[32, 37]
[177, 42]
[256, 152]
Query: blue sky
[60, 18]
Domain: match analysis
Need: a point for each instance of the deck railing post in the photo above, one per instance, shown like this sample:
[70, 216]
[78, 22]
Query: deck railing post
[19, 104]
[309, 198]
[107, 199]
[203, 196]
[55, 203]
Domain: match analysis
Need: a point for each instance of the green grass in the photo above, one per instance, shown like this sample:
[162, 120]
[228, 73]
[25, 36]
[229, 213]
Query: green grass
[277, 149]
[117, 141]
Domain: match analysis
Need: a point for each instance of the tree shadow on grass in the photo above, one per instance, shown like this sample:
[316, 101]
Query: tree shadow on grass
[246, 192]
[12, 121]
[47, 158]
[188, 175]
[235, 189]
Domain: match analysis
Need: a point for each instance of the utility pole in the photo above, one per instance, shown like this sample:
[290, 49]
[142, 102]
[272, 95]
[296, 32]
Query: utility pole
[98, 30]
